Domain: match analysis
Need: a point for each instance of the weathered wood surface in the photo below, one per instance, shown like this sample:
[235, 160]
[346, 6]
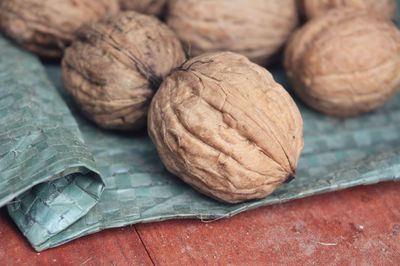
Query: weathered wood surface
[359, 226]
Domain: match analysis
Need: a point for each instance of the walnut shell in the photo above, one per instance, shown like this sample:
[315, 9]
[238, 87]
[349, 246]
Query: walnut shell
[256, 29]
[46, 27]
[115, 66]
[224, 126]
[345, 63]
[384, 8]
[151, 7]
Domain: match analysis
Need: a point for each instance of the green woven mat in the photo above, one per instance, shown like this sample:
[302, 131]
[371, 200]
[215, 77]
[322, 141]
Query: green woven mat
[41, 143]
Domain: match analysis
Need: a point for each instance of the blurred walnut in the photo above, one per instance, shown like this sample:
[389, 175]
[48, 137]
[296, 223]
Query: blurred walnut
[46, 27]
[345, 63]
[151, 7]
[223, 125]
[384, 8]
[256, 28]
[115, 66]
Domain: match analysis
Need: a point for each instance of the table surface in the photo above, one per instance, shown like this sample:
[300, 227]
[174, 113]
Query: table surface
[358, 226]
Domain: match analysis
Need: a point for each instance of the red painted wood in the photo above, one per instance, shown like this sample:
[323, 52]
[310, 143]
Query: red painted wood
[360, 226]
[111, 247]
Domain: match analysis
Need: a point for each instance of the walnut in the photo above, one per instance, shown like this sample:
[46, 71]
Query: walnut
[384, 8]
[115, 66]
[151, 7]
[256, 28]
[46, 27]
[345, 63]
[224, 126]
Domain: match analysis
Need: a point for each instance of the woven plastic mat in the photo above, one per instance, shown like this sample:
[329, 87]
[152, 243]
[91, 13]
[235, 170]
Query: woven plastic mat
[54, 163]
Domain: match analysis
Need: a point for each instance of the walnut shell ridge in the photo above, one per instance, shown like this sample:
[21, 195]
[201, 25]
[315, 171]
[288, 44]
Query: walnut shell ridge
[151, 7]
[384, 8]
[256, 28]
[115, 66]
[345, 63]
[46, 27]
[223, 125]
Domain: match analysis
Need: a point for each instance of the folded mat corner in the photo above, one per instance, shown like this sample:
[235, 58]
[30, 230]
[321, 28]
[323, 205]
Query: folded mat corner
[48, 176]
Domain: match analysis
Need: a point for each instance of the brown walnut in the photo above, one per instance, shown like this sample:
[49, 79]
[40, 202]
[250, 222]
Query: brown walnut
[256, 28]
[151, 7]
[384, 8]
[115, 66]
[345, 63]
[224, 126]
[46, 27]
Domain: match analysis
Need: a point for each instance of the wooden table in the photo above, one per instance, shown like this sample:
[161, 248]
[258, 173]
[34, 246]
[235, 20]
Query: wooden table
[359, 226]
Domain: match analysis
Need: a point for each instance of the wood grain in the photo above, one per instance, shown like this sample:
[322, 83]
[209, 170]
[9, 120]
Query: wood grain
[359, 226]
[112, 247]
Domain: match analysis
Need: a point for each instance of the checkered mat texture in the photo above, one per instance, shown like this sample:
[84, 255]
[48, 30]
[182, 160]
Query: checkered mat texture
[54, 164]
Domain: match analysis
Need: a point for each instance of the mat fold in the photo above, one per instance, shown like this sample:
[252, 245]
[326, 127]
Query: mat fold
[47, 174]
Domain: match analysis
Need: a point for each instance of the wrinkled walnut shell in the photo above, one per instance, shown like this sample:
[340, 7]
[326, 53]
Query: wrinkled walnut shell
[256, 28]
[46, 27]
[224, 126]
[151, 7]
[345, 63]
[384, 8]
[115, 66]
